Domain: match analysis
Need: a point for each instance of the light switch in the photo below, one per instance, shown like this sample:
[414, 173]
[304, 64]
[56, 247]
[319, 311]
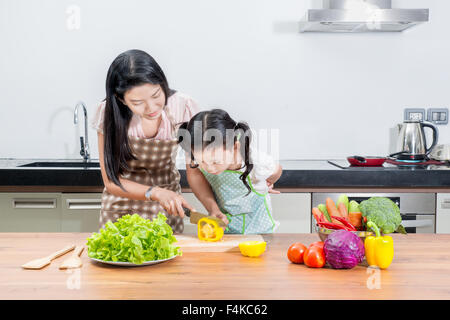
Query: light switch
[438, 115]
[445, 204]
[414, 114]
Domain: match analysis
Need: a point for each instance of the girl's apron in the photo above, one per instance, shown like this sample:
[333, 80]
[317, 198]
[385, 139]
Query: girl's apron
[248, 214]
[155, 166]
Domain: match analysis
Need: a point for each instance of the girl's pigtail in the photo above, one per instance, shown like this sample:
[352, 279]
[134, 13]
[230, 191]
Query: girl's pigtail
[186, 142]
[244, 136]
[182, 130]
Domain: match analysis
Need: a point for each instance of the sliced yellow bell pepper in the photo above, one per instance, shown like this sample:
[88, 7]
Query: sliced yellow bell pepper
[252, 248]
[379, 249]
[209, 230]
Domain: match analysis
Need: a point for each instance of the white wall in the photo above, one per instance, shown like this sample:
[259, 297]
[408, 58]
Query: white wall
[331, 95]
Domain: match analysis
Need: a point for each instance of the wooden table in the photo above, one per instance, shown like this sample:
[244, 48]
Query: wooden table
[421, 270]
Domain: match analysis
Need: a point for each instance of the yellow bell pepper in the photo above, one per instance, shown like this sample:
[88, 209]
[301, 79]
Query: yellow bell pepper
[379, 249]
[252, 248]
[209, 230]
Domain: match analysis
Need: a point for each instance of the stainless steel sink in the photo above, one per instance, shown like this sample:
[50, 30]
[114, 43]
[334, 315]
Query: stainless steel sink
[71, 164]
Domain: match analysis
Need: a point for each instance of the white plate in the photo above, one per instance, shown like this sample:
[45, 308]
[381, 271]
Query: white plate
[129, 264]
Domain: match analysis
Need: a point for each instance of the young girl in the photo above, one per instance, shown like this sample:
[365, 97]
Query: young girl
[137, 141]
[239, 177]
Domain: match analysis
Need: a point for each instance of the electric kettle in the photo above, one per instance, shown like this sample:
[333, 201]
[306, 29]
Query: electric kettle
[411, 142]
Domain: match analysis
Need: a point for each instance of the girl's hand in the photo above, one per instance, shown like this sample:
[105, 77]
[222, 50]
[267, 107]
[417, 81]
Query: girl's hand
[171, 201]
[220, 215]
[271, 189]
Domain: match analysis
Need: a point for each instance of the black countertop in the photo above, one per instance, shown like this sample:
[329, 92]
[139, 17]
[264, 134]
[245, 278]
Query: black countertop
[296, 174]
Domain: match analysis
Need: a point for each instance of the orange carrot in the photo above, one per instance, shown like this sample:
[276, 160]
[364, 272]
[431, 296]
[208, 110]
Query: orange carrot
[318, 215]
[355, 218]
[331, 208]
[343, 210]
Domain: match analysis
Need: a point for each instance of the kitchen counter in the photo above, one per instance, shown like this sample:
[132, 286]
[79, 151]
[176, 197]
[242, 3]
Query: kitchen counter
[420, 270]
[296, 174]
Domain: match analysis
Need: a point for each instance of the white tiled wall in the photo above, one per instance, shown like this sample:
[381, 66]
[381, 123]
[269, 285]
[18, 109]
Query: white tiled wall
[244, 56]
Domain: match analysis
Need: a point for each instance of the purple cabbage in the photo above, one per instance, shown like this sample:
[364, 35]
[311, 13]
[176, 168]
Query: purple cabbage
[343, 249]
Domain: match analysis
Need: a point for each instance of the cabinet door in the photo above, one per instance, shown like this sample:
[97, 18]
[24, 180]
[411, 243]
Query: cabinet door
[443, 213]
[80, 212]
[292, 210]
[30, 212]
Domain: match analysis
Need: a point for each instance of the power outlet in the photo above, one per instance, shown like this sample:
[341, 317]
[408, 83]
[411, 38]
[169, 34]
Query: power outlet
[414, 114]
[437, 115]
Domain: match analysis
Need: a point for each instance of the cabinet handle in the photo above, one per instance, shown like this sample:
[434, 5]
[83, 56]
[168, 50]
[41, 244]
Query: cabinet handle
[34, 203]
[445, 204]
[417, 223]
[83, 204]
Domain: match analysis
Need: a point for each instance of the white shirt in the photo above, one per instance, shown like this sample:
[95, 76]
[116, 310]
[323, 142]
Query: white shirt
[263, 167]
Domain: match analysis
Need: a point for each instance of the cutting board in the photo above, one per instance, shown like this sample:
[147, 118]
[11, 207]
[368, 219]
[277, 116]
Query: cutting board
[229, 242]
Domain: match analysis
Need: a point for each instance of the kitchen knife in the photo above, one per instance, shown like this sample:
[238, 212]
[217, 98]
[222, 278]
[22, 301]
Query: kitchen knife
[195, 216]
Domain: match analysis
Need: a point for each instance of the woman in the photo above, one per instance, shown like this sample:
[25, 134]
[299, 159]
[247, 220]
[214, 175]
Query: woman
[136, 126]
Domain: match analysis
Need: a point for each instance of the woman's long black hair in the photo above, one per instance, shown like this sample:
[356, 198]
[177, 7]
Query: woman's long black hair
[131, 68]
[220, 121]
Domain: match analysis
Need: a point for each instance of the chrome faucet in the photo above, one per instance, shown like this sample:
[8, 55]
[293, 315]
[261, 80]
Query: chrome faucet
[84, 152]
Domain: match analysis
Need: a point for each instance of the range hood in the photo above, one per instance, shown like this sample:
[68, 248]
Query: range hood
[361, 16]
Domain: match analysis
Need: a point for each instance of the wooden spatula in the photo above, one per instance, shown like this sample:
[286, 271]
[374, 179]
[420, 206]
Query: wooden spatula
[74, 261]
[42, 262]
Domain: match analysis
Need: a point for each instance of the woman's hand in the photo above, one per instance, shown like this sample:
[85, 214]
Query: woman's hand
[172, 202]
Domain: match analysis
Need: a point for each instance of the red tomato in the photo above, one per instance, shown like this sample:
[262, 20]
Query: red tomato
[317, 243]
[295, 252]
[314, 256]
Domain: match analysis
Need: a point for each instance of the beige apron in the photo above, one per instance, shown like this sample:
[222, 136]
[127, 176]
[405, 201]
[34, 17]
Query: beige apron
[155, 166]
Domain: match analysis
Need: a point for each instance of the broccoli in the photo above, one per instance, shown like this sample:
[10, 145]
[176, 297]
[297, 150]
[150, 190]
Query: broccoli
[384, 213]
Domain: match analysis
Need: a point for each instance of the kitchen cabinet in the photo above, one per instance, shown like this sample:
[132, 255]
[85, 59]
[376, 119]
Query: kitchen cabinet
[292, 210]
[30, 212]
[443, 213]
[80, 212]
[49, 212]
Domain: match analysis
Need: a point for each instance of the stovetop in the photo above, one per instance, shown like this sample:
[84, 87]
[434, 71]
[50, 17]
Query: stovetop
[394, 165]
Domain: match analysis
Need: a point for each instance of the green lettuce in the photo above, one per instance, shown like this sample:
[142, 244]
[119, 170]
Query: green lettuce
[133, 239]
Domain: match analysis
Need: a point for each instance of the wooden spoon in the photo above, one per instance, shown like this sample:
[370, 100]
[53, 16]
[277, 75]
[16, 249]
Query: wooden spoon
[74, 260]
[42, 262]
